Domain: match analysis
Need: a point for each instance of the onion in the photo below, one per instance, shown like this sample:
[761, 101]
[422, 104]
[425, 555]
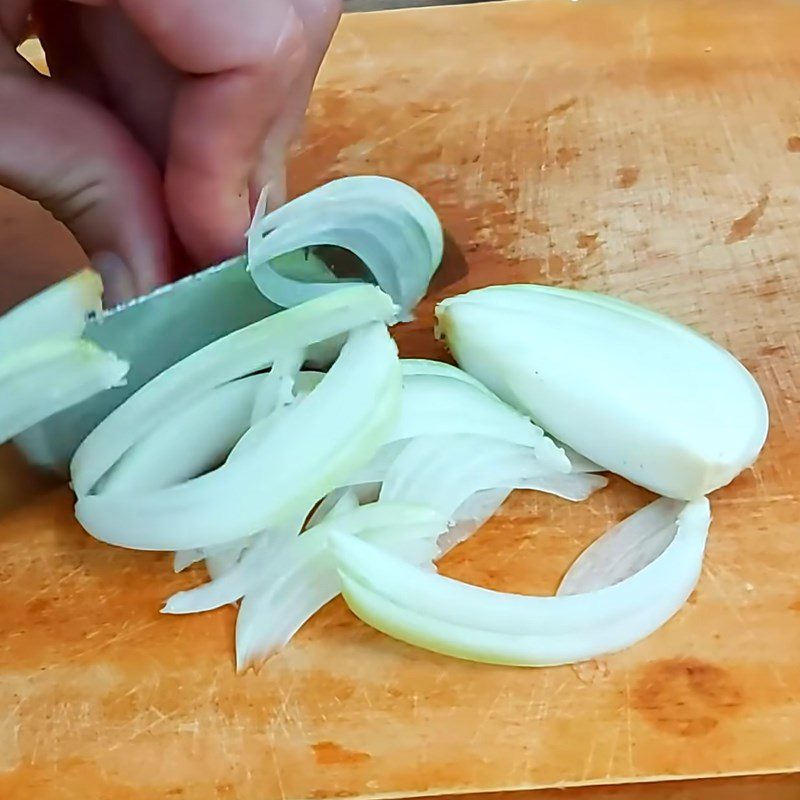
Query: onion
[293, 485]
[438, 405]
[298, 584]
[635, 392]
[386, 224]
[195, 439]
[245, 573]
[45, 365]
[287, 466]
[246, 350]
[48, 377]
[59, 312]
[442, 472]
[457, 619]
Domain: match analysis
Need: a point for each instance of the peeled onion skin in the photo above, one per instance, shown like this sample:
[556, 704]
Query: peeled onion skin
[637, 393]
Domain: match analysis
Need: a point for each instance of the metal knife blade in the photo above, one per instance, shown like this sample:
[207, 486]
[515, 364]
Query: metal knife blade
[152, 333]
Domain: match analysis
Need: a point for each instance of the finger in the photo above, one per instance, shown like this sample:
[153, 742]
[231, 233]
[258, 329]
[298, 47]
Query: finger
[244, 57]
[75, 159]
[205, 37]
[319, 18]
[218, 128]
[140, 85]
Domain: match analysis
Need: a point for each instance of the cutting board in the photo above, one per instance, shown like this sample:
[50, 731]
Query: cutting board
[650, 150]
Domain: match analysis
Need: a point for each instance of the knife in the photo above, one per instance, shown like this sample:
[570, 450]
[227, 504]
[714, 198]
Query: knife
[151, 333]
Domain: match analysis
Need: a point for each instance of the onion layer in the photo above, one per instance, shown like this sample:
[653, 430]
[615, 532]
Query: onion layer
[449, 617]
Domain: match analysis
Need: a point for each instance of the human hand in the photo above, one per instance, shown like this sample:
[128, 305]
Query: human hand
[162, 121]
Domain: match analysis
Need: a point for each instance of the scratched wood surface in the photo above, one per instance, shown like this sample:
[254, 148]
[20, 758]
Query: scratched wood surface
[651, 150]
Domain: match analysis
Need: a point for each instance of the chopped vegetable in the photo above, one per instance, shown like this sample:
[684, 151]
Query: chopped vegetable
[446, 616]
[45, 365]
[386, 224]
[299, 457]
[59, 312]
[287, 466]
[239, 353]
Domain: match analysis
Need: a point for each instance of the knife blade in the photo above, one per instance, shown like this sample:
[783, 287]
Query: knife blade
[151, 333]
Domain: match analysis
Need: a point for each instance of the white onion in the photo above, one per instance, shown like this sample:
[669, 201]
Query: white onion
[386, 224]
[444, 615]
[57, 313]
[45, 378]
[193, 440]
[239, 353]
[45, 365]
[639, 394]
[330, 433]
[303, 579]
[442, 472]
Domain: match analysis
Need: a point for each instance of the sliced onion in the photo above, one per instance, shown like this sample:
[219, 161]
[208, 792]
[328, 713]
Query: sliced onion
[339, 501]
[385, 223]
[471, 516]
[298, 583]
[45, 378]
[435, 405]
[243, 575]
[185, 558]
[239, 353]
[322, 439]
[442, 472]
[444, 615]
[277, 386]
[427, 366]
[193, 440]
[623, 550]
[59, 312]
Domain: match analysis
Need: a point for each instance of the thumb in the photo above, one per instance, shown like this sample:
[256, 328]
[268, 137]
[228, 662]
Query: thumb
[76, 160]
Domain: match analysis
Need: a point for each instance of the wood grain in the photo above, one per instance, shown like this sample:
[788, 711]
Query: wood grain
[648, 149]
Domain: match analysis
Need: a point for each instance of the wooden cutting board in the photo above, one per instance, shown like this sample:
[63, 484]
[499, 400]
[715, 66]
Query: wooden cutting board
[648, 149]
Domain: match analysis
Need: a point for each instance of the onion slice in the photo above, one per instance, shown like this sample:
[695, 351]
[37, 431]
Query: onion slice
[385, 223]
[286, 466]
[243, 575]
[195, 439]
[434, 405]
[58, 312]
[239, 353]
[45, 378]
[449, 617]
[302, 578]
[442, 472]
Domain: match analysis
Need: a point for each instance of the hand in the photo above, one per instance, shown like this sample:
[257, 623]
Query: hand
[162, 121]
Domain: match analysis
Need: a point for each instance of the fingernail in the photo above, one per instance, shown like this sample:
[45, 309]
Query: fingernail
[118, 282]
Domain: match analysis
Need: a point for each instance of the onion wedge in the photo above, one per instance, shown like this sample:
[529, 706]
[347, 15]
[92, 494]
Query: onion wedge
[636, 392]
